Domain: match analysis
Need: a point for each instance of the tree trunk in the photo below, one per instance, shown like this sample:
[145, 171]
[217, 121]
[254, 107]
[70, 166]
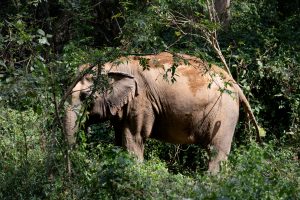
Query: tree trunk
[223, 11]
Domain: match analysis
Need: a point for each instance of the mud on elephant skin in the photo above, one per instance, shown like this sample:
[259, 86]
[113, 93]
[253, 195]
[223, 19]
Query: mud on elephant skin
[142, 104]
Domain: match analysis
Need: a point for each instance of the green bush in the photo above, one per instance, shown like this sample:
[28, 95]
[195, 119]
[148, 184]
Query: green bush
[262, 49]
[270, 171]
[252, 172]
[22, 167]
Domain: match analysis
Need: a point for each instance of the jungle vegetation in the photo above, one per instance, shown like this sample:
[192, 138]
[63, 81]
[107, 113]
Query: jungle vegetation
[42, 43]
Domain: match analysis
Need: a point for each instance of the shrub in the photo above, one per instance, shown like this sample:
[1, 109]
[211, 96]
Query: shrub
[22, 169]
[252, 172]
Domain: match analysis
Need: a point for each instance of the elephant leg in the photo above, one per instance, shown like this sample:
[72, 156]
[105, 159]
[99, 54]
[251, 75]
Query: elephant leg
[217, 155]
[222, 131]
[134, 143]
[221, 144]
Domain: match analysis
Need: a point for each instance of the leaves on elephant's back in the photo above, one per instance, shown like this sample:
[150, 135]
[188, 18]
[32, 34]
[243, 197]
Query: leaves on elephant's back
[144, 62]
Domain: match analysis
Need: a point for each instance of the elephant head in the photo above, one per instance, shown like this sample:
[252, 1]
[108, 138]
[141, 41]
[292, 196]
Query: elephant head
[122, 89]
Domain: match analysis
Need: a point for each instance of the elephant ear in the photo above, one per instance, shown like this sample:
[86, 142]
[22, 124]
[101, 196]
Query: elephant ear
[124, 89]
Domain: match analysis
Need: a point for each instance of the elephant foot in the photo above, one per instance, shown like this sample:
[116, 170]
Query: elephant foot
[216, 157]
[214, 167]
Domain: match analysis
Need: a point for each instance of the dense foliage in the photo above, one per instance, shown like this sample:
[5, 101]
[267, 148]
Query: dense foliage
[43, 42]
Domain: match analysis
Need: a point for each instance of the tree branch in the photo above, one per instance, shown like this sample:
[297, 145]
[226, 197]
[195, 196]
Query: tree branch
[70, 88]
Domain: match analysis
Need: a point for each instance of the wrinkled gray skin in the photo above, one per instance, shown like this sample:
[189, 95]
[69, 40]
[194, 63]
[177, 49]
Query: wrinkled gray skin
[142, 104]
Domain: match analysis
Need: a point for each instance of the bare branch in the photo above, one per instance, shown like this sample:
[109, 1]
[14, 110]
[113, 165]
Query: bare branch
[119, 27]
[211, 36]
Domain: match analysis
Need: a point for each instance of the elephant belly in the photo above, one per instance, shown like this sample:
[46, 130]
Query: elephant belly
[183, 130]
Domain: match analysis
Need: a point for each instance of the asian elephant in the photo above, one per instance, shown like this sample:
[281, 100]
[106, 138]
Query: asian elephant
[200, 107]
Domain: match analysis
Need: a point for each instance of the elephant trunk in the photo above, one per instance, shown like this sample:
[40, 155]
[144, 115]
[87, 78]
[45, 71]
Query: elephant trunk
[70, 125]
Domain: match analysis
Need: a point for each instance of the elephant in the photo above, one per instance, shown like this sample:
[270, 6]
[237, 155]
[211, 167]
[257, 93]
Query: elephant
[175, 98]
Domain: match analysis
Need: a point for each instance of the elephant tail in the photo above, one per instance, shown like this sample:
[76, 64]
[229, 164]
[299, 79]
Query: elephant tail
[248, 110]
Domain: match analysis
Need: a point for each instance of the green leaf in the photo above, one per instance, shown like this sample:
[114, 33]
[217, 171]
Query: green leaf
[43, 40]
[259, 63]
[118, 15]
[177, 33]
[262, 132]
[41, 32]
[2, 63]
